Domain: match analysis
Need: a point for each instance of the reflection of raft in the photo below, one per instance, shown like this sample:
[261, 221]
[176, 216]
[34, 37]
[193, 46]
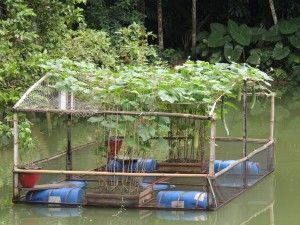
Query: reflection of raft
[182, 215]
[182, 199]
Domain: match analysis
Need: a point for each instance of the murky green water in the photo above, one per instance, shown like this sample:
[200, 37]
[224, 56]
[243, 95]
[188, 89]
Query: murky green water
[273, 201]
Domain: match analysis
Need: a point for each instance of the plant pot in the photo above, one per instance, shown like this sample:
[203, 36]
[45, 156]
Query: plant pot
[114, 145]
[28, 180]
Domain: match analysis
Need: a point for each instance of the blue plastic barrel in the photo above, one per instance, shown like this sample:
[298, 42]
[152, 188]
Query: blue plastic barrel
[60, 195]
[135, 165]
[158, 186]
[146, 165]
[114, 165]
[253, 168]
[182, 199]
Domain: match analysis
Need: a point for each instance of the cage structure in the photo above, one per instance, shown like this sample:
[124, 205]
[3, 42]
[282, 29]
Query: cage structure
[184, 173]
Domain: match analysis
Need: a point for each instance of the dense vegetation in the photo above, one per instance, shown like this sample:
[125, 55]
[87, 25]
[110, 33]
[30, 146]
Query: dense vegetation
[109, 34]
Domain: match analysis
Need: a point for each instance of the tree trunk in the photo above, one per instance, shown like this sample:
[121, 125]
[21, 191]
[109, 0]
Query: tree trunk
[194, 26]
[141, 7]
[160, 25]
[272, 7]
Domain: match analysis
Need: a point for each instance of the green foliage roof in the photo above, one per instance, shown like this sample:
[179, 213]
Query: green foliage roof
[191, 87]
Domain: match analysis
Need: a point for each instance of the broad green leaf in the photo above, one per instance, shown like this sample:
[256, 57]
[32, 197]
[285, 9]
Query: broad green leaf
[294, 58]
[201, 36]
[254, 58]
[295, 41]
[216, 39]
[232, 54]
[272, 35]
[144, 133]
[95, 119]
[164, 96]
[215, 57]
[218, 27]
[280, 52]
[296, 73]
[241, 34]
[257, 33]
[287, 27]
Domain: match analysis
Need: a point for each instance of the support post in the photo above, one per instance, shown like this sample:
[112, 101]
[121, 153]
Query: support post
[69, 146]
[16, 193]
[244, 154]
[272, 117]
[244, 119]
[212, 153]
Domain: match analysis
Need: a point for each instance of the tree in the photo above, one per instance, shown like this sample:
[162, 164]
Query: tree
[160, 25]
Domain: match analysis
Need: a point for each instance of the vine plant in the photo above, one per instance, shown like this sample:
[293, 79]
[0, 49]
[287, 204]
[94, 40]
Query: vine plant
[190, 88]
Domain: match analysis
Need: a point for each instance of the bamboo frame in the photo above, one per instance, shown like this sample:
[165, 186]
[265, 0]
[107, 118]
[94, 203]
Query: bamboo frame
[210, 176]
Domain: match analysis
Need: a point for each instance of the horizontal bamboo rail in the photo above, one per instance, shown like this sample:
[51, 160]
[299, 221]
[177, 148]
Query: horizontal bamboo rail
[256, 151]
[98, 173]
[108, 112]
[239, 139]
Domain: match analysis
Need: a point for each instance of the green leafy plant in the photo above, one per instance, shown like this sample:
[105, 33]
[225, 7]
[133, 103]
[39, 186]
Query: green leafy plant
[272, 50]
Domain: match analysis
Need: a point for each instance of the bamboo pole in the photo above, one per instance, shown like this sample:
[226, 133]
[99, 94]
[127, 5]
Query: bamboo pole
[108, 112]
[244, 119]
[104, 173]
[244, 154]
[69, 147]
[256, 151]
[212, 146]
[213, 193]
[61, 154]
[16, 193]
[272, 117]
[239, 139]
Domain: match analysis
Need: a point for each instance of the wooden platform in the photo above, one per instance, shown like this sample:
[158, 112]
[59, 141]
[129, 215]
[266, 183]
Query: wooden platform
[119, 200]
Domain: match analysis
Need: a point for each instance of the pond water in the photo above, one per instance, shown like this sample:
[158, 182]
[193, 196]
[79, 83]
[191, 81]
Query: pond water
[272, 201]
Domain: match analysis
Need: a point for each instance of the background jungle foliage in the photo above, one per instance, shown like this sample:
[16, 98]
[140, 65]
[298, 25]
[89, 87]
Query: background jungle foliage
[110, 32]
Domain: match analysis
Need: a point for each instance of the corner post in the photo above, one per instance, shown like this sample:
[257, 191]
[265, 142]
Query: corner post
[16, 192]
[69, 145]
[272, 117]
[245, 119]
[244, 153]
[212, 154]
